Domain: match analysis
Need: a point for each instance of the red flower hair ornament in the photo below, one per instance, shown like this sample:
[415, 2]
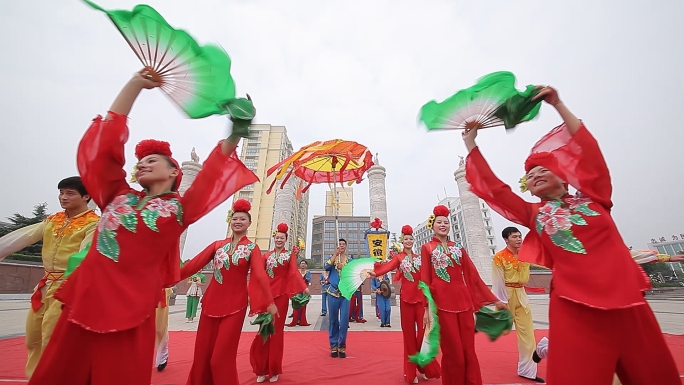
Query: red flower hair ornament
[157, 147]
[242, 206]
[406, 230]
[282, 228]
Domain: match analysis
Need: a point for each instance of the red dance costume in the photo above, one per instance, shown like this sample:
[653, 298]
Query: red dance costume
[458, 292]
[95, 338]
[593, 312]
[224, 306]
[412, 306]
[267, 357]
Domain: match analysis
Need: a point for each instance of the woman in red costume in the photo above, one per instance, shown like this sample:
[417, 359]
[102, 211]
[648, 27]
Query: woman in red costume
[458, 292]
[225, 301]
[412, 305]
[593, 312]
[299, 315]
[281, 266]
[138, 231]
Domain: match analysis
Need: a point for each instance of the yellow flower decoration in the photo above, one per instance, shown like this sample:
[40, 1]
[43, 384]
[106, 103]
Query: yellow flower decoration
[523, 184]
[274, 233]
[230, 215]
[135, 171]
[431, 221]
[300, 243]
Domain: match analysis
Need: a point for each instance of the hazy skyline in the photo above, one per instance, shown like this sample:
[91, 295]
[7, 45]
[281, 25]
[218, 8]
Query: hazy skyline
[361, 71]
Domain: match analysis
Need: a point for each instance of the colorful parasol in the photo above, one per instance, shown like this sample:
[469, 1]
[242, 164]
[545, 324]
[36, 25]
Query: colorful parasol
[493, 101]
[333, 161]
[197, 78]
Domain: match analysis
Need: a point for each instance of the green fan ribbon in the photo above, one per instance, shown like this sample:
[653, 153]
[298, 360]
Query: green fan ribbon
[75, 260]
[300, 300]
[519, 108]
[424, 358]
[241, 112]
[266, 328]
[494, 323]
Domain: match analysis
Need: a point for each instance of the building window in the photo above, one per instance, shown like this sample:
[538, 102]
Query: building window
[343, 225]
[353, 236]
[329, 236]
[252, 151]
[316, 238]
[353, 226]
[329, 225]
[318, 227]
[329, 247]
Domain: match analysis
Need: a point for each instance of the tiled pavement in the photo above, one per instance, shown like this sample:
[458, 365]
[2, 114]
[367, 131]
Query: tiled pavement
[670, 315]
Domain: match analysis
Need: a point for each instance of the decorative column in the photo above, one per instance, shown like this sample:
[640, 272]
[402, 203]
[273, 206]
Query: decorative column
[283, 209]
[476, 236]
[190, 170]
[377, 192]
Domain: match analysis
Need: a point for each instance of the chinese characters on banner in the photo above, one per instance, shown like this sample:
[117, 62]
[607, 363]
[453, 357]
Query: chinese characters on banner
[377, 241]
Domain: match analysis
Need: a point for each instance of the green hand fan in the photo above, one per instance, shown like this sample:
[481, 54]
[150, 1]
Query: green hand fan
[196, 78]
[430, 346]
[354, 273]
[265, 322]
[493, 323]
[300, 300]
[75, 260]
[479, 106]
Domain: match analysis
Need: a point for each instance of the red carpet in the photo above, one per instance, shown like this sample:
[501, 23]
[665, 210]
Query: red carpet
[373, 358]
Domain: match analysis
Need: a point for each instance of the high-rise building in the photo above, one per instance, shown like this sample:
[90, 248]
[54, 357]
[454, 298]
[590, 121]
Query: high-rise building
[267, 146]
[423, 235]
[324, 240]
[345, 201]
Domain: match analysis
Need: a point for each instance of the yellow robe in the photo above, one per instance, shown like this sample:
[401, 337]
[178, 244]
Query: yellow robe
[62, 237]
[508, 279]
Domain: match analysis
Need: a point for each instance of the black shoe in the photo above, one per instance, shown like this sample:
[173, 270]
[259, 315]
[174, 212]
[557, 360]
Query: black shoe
[536, 358]
[334, 354]
[162, 366]
[324, 314]
[536, 379]
[382, 325]
[343, 354]
[388, 325]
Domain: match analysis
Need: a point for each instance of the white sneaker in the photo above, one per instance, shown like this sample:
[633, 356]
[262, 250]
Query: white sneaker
[415, 380]
[273, 379]
[261, 379]
[425, 377]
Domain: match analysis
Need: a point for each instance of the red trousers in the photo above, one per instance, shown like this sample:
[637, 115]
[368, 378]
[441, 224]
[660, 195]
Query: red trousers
[267, 357]
[77, 356]
[413, 329]
[299, 317]
[588, 345]
[216, 345]
[457, 340]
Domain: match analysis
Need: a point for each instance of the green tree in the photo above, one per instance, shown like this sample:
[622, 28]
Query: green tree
[18, 221]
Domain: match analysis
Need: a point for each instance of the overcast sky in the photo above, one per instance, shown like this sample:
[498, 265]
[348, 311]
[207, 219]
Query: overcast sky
[361, 70]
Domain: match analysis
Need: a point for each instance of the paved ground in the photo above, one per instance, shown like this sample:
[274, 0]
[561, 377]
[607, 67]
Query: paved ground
[669, 312]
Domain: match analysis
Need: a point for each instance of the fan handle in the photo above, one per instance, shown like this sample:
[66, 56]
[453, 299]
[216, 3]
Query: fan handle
[151, 74]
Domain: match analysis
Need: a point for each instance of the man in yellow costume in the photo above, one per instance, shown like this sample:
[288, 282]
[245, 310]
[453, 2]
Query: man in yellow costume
[509, 277]
[64, 233]
[161, 341]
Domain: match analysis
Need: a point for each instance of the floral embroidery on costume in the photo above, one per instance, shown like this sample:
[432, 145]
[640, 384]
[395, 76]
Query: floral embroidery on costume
[122, 212]
[410, 265]
[272, 262]
[440, 260]
[66, 226]
[222, 258]
[557, 221]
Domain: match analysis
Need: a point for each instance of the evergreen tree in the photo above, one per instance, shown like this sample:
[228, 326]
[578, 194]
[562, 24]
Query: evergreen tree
[18, 221]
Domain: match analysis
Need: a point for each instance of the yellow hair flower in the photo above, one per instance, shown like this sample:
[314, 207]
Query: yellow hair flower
[274, 233]
[135, 171]
[523, 184]
[230, 215]
[431, 221]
